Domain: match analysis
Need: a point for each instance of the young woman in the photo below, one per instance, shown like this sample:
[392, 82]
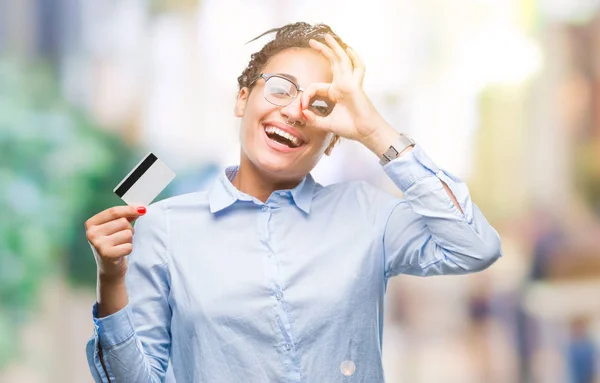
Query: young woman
[269, 276]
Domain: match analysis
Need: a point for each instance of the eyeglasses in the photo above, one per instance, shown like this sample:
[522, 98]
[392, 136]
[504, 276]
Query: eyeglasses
[282, 91]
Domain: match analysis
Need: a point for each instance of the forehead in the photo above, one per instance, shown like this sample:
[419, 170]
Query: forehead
[306, 64]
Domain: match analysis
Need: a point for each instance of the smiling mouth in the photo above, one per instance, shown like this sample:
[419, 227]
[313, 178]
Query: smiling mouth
[282, 137]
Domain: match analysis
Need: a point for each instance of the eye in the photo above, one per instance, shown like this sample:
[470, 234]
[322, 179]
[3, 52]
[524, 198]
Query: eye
[279, 92]
[280, 88]
[321, 106]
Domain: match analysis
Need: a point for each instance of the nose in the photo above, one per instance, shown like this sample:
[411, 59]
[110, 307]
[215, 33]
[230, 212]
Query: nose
[293, 111]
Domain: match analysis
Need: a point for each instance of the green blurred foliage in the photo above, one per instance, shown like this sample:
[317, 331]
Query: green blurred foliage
[56, 169]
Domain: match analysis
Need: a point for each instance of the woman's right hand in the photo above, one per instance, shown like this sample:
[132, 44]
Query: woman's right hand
[110, 234]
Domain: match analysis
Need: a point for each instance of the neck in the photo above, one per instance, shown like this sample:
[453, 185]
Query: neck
[260, 185]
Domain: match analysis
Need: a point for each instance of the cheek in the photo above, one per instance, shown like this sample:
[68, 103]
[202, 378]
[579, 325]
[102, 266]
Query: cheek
[257, 109]
[324, 140]
[253, 113]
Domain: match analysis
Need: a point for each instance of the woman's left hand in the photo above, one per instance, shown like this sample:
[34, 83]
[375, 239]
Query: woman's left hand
[354, 116]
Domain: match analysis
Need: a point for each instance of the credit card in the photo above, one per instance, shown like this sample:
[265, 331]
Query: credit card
[145, 181]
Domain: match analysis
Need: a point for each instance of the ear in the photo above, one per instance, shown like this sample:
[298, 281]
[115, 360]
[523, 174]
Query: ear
[240, 104]
[334, 141]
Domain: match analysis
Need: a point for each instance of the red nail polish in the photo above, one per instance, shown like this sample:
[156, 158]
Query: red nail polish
[141, 210]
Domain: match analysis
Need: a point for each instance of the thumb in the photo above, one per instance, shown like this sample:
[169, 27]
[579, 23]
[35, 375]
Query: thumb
[314, 120]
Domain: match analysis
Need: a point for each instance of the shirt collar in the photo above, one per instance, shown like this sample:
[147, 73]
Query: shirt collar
[223, 194]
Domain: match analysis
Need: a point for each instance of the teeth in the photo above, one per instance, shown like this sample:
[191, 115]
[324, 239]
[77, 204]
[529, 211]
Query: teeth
[279, 132]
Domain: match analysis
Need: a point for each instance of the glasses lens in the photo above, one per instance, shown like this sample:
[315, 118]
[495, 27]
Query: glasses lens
[280, 91]
[321, 106]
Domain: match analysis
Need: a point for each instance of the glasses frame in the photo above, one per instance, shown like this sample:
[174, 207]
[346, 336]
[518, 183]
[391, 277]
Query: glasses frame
[267, 76]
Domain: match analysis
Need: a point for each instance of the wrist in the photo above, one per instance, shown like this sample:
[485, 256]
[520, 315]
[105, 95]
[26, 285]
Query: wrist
[380, 139]
[111, 295]
[111, 279]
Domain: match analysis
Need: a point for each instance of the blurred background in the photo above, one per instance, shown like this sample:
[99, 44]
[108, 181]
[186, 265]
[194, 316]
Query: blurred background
[503, 93]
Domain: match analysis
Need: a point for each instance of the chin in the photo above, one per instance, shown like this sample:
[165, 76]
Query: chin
[276, 162]
[279, 168]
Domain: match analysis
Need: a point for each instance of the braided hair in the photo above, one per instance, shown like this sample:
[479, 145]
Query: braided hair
[294, 35]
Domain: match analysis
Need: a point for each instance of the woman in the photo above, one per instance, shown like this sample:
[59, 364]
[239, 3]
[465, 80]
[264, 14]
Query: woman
[269, 276]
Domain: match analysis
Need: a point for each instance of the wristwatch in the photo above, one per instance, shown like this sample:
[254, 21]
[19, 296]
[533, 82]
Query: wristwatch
[394, 151]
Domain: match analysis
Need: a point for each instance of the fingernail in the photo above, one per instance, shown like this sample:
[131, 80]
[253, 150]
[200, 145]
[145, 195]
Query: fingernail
[141, 210]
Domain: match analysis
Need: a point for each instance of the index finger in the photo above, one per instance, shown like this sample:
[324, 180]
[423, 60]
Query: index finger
[116, 212]
[315, 89]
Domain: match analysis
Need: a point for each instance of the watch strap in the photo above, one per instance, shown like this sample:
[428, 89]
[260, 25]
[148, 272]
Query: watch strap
[394, 151]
